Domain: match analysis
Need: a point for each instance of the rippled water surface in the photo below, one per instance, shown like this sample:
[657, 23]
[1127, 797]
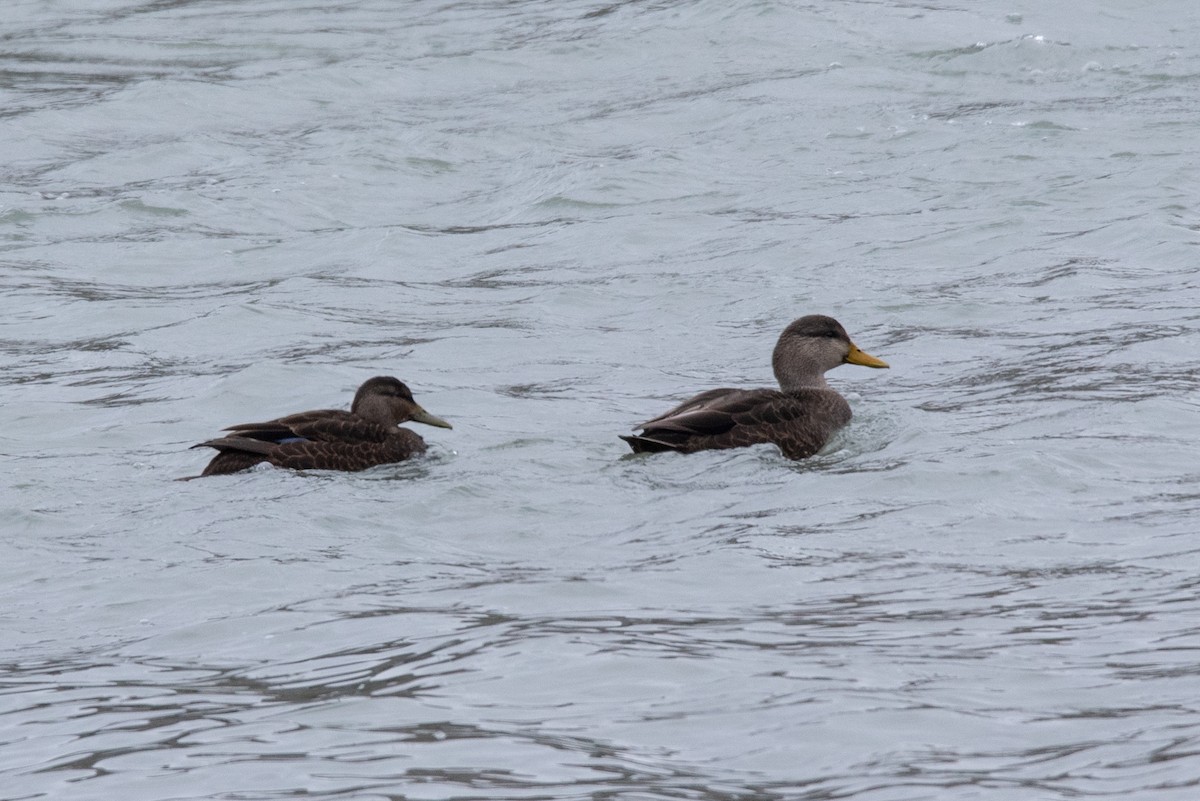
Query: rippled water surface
[554, 220]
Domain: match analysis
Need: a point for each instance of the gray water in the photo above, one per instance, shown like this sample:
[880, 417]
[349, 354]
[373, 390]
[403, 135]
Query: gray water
[554, 220]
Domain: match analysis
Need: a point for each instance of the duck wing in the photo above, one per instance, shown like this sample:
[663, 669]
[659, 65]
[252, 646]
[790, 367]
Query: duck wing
[323, 425]
[712, 412]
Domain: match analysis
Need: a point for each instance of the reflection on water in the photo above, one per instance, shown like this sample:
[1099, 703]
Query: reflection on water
[554, 219]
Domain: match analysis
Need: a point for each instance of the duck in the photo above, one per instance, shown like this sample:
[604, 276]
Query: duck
[799, 417]
[329, 439]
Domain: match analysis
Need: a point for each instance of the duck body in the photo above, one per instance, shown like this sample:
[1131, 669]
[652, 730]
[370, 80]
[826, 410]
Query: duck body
[329, 439]
[799, 417]
[800, 423]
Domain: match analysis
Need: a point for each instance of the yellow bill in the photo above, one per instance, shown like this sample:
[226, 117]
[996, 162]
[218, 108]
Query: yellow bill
[856, 356]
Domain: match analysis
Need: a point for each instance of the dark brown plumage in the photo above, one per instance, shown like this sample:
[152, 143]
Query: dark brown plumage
[799, 417]
[329, 439]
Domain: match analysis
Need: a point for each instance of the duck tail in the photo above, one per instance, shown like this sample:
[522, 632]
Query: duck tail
[646, 445]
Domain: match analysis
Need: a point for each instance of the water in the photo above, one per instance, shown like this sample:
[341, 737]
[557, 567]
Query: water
[553, 221]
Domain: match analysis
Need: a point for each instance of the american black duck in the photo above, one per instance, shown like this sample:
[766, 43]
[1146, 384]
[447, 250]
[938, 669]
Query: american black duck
[329, 439]
[799, 417]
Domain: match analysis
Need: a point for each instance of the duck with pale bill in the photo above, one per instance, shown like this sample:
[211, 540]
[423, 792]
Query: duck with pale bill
[799, 417]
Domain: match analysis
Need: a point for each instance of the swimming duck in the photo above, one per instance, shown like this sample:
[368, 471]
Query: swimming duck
[799, 417]
[329, 439]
